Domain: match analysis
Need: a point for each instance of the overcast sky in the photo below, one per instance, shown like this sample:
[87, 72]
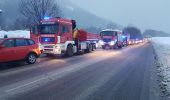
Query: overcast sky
[153, 14]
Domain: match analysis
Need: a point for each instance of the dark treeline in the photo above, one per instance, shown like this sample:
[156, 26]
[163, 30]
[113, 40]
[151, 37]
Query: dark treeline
[155, 33]
[134, 32]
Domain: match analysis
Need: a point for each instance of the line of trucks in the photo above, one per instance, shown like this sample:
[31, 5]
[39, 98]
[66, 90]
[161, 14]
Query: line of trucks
[60, 36]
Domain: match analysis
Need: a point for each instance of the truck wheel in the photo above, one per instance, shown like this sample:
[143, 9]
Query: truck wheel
[120, 46]
[103, 47]
[69, 51]
[31, 58]
[89, 48]
[93, 47]
[116, 46]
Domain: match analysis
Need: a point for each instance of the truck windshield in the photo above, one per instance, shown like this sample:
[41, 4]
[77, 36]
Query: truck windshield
[49, 28]
[108, 33]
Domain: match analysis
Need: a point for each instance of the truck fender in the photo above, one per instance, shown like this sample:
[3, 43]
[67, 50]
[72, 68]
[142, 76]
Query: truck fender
[68, 43]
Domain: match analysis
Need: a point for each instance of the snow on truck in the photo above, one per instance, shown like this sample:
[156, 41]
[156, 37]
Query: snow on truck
[111, 39]
[59, 36]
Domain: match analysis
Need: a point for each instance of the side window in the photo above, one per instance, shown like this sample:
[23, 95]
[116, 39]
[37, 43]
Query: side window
[34, 29]
[65, 29]
[115, 34]
[21, 42]
[8, 43]
[31, 42]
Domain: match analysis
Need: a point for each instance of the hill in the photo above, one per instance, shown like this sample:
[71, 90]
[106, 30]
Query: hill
[84, 18]
[155, 33]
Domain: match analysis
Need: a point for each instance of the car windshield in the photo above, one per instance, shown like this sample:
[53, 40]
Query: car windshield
[108, 33]
[49, 28]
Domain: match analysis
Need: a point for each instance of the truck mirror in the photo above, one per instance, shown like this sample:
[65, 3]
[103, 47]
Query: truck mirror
[74, 24]
[34, 30]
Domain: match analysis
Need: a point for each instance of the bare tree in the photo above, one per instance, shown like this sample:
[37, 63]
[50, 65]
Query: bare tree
[133, 31]
[36, 10]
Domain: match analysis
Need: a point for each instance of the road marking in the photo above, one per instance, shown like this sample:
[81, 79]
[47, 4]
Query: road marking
[39, 65]
[25, 85]
[99, 83]
[32, 83]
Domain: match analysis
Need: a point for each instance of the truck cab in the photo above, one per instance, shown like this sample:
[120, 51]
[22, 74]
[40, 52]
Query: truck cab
[55, 36]
[111, 39]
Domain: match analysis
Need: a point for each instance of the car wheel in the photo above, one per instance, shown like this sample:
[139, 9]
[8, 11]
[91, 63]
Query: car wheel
[31, 59]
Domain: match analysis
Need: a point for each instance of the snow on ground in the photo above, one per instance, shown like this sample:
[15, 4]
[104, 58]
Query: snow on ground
[162, 49]
[15, 34]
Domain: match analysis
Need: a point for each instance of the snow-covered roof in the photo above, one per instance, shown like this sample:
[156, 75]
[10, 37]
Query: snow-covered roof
[15, 34]
[112, 30]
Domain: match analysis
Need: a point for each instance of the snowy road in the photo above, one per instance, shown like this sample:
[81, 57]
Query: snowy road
[127, 74]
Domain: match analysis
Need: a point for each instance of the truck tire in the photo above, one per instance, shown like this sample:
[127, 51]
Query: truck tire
[89, 48]
[69, 51]
[93, 47]
[119, 46]
[103, 47]
[31, 58]
[116, 46]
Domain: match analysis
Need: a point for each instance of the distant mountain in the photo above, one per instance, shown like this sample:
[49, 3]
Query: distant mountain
[83, 18]
[155, 33]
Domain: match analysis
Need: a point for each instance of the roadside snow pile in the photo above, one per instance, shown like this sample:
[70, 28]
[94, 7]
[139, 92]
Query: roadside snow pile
[15, 34]
[162, 49]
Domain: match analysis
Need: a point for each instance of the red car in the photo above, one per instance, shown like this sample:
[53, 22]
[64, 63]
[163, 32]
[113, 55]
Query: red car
[16, 49]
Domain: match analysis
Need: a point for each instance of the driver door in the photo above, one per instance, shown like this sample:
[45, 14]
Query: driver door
[7, 53]
[65, 33]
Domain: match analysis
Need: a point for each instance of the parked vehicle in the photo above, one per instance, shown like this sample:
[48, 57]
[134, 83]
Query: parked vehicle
[111, 39]
[126, 39]
[59, 36]
[15, 49]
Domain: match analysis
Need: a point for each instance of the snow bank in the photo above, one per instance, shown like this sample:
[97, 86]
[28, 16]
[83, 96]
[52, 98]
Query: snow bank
[15, 34]
[162, 49]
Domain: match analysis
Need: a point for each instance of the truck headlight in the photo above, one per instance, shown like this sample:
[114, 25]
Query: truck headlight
[40, 46]
[112, 42]
[57, 48]
[101, 42]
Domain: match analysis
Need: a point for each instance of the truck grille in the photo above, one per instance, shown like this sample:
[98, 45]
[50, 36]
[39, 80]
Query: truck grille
[48, 46]
[107, 40]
